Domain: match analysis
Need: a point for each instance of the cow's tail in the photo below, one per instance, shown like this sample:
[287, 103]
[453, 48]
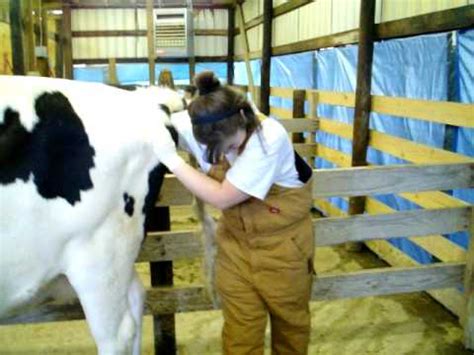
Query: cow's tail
[207, 233]
[208, 240]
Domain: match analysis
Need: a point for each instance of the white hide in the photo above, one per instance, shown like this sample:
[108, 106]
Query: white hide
[93, 243]
[161, 95]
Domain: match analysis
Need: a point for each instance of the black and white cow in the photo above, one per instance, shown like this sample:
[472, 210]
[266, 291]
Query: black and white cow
[78, 171]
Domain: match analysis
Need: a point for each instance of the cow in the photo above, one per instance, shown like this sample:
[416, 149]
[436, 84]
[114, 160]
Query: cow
[78, 174]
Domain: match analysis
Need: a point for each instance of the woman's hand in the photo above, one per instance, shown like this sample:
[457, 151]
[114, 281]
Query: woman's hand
[167, 153]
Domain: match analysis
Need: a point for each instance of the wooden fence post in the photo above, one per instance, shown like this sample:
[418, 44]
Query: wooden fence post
[468, 317]
[313, 98]
[112, 72]
[161, 274]
[298, 111]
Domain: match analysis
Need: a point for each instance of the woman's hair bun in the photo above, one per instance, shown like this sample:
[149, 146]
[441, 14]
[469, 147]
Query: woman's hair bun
[206, 82]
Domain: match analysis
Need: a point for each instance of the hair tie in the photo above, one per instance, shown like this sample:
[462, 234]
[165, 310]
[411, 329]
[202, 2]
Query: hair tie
[211, 118]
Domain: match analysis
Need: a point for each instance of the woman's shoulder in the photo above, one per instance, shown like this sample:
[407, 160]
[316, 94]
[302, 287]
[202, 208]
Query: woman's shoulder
[273, 131]
[271, 138]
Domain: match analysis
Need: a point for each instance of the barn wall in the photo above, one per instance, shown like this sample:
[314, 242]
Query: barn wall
[210, 45]
[136, 47]
[325, 17]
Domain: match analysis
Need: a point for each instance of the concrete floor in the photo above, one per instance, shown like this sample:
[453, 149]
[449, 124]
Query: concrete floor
[408, 324]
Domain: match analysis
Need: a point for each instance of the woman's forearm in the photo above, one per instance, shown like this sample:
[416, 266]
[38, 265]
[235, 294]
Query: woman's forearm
[220, 195]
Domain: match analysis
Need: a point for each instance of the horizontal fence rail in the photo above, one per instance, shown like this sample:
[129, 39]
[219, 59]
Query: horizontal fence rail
[391, 179]
[361, 181]
[331, 231]
[373, 282]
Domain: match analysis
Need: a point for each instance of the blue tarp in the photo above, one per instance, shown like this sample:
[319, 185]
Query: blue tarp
[240, 72]
[465, 136]
[414, 68]
[137, 73]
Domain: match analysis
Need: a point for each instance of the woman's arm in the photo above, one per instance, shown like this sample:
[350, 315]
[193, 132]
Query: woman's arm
[220, 195]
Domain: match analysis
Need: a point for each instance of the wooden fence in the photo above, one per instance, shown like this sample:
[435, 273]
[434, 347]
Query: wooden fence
[435, 170]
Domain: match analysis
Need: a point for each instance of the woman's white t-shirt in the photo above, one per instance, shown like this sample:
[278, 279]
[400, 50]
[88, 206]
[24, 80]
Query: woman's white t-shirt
[268, 157]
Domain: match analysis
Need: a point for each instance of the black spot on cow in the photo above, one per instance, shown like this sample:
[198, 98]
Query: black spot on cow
[14, 140]
[165, 108]
[56, 152]
[155, 181]
[129, 204]
[173, 132]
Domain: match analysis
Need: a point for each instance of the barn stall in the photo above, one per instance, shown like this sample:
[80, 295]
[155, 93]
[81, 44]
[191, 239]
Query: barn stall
[377, 95]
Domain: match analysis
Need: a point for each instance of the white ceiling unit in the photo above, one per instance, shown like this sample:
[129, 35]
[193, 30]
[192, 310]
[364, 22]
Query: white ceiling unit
[170, 32]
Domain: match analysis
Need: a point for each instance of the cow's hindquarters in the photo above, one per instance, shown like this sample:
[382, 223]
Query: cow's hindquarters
[112, 297]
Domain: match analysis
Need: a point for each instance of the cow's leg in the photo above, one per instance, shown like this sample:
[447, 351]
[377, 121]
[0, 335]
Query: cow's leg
[110, 296]
[136, 298]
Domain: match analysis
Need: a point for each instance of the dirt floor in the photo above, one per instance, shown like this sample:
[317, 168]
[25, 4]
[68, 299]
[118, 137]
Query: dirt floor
[411, 324]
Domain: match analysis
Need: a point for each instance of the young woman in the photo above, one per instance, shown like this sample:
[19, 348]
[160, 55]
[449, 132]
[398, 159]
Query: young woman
[264, 263]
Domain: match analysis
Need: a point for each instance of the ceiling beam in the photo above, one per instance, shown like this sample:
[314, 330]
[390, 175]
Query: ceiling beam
[121, 4]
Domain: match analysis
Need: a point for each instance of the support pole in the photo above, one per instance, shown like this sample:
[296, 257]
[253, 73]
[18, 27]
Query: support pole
[230, 45]
[59, 66]
[190, 35]
[16, 38]
[266, 57]
[67, 42]
[245, 47]
[451, 132]
[29, 37]
[151, 41]
[42, 61]
[363, 99]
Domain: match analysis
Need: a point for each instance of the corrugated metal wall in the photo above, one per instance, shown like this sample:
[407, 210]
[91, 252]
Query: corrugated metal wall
[210, 45]
[324, 17]
[136, 47]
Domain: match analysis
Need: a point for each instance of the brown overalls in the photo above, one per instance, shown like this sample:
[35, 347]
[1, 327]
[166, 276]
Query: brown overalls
[264, 266]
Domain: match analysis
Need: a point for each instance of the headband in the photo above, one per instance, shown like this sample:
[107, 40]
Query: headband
[211, 118]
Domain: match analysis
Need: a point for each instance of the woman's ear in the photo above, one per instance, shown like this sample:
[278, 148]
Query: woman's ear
[244, 113]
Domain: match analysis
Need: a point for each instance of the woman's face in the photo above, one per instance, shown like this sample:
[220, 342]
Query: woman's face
[234, 142]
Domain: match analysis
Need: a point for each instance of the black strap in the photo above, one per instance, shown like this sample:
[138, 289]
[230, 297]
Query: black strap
[304, 170]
